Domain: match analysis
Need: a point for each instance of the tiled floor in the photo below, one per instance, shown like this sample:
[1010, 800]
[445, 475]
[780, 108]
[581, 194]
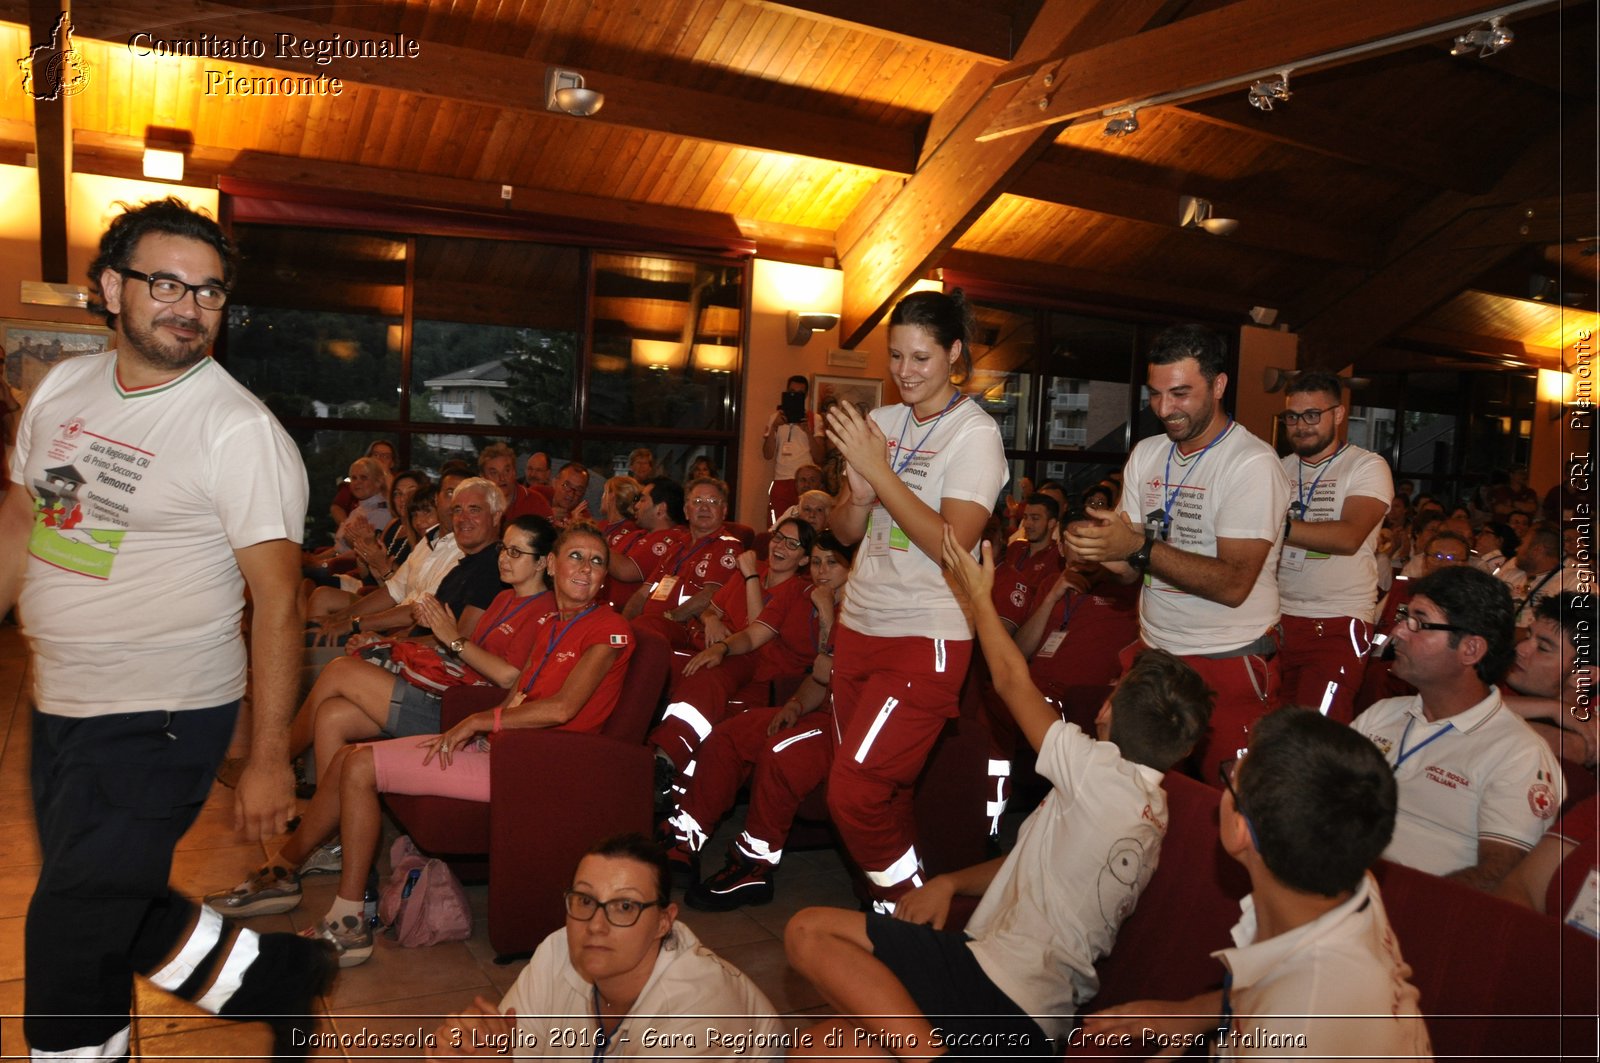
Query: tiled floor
[398, 990]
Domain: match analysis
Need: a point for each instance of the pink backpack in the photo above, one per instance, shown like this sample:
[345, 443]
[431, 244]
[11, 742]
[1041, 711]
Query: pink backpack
[422, 903]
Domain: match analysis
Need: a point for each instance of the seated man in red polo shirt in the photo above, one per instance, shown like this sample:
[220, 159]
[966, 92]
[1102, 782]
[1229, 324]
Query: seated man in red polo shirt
[683, 582]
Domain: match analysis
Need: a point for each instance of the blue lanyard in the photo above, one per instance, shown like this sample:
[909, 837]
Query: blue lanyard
[1172, 496]
[557, 634]
[906, 455]
[1406, 754]
[1066, 616]
[602, 1040]
[684, 553]
[507, 613]
[1302, 494]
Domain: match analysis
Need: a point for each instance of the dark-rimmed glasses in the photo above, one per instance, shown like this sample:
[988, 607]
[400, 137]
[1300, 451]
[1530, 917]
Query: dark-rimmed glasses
[620, 911]
[1291, 417]
[515, 552]
[1225, 776]
[1403, 616]
[172, 290]
[788, 540]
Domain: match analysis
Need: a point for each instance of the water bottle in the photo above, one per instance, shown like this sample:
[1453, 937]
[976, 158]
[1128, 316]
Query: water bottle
[369, 905]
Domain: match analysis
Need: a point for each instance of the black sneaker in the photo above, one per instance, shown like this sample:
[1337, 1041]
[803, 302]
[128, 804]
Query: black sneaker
[666, 774]
[742, 882]
[280, 988]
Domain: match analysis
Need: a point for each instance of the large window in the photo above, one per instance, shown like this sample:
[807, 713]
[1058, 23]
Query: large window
[444, 344]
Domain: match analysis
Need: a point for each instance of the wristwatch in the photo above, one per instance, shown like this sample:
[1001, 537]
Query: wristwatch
[457, 645]
[1140, 558]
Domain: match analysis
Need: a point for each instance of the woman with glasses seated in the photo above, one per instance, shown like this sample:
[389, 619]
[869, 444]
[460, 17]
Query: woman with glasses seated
[624, 979]
[571, 681]
[759, 629]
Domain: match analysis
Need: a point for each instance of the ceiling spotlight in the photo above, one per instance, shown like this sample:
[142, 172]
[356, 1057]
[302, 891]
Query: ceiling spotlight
[1195, 213]
[1121, 127]
[564, 93]
[1485, 39]
[1263, 92]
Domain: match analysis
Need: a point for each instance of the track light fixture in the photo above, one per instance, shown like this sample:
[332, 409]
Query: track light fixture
[1263, 92]
[1485, 39]
[1121, 127]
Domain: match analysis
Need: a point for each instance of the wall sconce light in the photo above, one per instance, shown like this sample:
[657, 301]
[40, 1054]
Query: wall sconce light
[1553, 387]
[565, 93]
[715, 357]
[163, 164]
[803, 325]
[658, 354]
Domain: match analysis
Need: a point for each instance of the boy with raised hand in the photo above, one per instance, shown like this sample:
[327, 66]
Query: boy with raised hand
[1013, 981]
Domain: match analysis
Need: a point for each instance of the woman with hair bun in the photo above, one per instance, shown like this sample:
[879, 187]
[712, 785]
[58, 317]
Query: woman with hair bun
[931, 461]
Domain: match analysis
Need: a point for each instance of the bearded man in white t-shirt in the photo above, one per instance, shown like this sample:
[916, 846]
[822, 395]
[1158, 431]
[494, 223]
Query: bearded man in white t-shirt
[148, 491]
[1201, 520]
[1328, 570]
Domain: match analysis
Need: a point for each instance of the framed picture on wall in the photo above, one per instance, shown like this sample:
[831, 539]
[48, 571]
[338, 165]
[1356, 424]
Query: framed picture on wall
[865, 394]
[32, 347]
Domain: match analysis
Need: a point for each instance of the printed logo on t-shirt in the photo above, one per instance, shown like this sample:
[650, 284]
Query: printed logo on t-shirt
[81, 506]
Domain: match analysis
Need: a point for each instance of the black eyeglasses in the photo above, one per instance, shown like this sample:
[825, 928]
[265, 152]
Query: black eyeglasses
[515, 552]
[788, 540]
[172, 290]
[1308, 416]
[620, 911]
[1225, 775]
[1402, 615]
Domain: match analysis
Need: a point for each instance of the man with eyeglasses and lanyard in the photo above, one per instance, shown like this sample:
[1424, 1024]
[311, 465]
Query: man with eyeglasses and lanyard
[683, 583]
[149, 491]
[1200, 521]
[1477, 786]
[1328, 571]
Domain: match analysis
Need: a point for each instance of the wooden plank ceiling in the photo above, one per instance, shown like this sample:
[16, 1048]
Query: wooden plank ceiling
[895, 137]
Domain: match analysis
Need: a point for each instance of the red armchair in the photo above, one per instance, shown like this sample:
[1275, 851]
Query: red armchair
[555, 794]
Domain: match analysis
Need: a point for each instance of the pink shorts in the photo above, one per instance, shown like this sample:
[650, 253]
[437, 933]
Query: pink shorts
[399, 769]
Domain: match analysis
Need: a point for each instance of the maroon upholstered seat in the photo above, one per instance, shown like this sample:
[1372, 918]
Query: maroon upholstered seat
[555, 794]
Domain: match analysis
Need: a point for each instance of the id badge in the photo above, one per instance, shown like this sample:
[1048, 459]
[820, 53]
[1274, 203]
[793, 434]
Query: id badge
[1585, 911]
[1051, 644]
[1293, 559]
[878, 528]
[663, 591]
[1157, 523]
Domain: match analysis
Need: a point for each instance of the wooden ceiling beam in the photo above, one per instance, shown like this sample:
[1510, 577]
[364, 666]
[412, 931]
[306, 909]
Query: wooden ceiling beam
[1464, 165]
[1059, 178]
[1476, 343]
[958, 181]
[1179, 57]
[517, 85]
[118, 157]
[1436, 256]
[966, 29]
[1091, 287]
[52, 135]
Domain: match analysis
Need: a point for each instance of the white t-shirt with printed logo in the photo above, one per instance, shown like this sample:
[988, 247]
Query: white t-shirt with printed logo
[1481, 774]
[132, 596]
[895, 588]
[1317, 585]
[1234, 490]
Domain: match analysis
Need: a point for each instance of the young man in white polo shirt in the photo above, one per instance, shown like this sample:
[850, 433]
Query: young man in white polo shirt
[1315, 970]
[1477, 786]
